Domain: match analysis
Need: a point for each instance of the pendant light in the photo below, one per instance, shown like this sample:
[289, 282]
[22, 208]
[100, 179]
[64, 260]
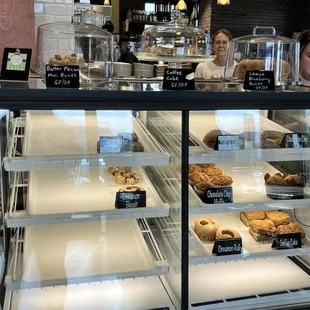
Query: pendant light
[223, 2]
[181, 6]
[106, 2]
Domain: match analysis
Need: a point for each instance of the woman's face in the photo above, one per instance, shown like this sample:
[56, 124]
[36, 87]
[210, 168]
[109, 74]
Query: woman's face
[220, 45]
[305, 63]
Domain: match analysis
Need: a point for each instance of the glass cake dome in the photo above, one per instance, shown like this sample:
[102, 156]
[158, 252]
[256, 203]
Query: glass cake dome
[174, 41]
[65, 43]
[267, 52]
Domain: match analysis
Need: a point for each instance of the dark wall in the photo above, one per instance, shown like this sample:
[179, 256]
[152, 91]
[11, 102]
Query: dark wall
[241, 16]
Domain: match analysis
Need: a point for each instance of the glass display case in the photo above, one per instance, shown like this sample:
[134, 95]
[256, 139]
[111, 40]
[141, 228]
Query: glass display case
[85, 45]
[174, 41]
[171, 201]
[267, 52]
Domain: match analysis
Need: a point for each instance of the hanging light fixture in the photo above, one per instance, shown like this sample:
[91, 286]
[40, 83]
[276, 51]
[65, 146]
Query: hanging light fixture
[181, 6]
[223, 2]
[106, 2]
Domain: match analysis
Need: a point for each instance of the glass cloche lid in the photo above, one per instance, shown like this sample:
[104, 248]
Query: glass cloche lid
[263, 52]
[175, 41]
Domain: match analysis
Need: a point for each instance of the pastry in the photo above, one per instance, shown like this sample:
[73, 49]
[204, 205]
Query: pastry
[206, 166]
[131, 188]
[114, 170]
[258, 236]
[195, 168]
[275, 180]
[269, 144]
[290, 229]
[211, 137]
[200, 188]
[198, 177]
[295, 180]
[129, 178]
[213, 172]
[278, 217]
[272, 134]
[226, 233]
[263, 227]
[206, 228]
[247, 217]
[223, 180]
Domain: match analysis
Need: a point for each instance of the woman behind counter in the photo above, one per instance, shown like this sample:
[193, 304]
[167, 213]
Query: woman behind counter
[214, 69]
[304, 67]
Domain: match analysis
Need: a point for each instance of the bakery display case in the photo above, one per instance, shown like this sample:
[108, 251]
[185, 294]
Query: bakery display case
[156, 200]
[84, 45]
[263, 50]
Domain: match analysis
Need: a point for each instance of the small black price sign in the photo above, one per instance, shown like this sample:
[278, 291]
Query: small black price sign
[218, 195]
[179, 79]
[287, 241]
[130, 200]
[229, 143]
[227, 247]
[109, 144]
[259, 80]
[62, 76]
[295, 140]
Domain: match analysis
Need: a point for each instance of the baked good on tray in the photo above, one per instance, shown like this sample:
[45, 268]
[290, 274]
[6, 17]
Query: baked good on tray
[131, 189]
[247, 217]
[221, 181]
[127, 178]
[269, 139]
[114, 170]
[291, 228]
[278, 217]
[198, 177]
[262, 230]
[211, 137]
[226, 233]
[206, 228]
[282, 186]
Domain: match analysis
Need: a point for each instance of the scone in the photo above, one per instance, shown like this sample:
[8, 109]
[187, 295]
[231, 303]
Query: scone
[211, 137]
[278, 217]
[247, 217]
[194, 168]
[213, 171]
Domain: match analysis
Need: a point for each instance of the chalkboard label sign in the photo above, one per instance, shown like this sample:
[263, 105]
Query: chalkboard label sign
[110, 144]
[227, 247]
[130, 200]
[295, 140]
[62, 76]
[287, 241]
[179, 79]
[259, 80]
[229, 143]
[218, 195]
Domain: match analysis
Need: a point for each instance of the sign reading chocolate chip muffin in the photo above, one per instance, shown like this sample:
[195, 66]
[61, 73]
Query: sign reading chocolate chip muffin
[130, 197]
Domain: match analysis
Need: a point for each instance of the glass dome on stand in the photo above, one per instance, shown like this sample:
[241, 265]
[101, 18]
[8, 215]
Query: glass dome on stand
[174, 42]
[65, 43]
[265, 52]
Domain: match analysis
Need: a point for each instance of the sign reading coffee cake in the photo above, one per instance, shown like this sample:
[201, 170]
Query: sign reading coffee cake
[287, 241]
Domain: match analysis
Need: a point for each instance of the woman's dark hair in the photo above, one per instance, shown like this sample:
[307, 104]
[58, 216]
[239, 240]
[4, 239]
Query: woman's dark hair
[304, 40]
[224, 31]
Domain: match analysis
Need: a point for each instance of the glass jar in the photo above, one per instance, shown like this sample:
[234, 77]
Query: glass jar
[267, 52]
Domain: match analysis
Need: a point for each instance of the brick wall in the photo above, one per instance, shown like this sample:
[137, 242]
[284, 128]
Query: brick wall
[241, 16]
[205, 12]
